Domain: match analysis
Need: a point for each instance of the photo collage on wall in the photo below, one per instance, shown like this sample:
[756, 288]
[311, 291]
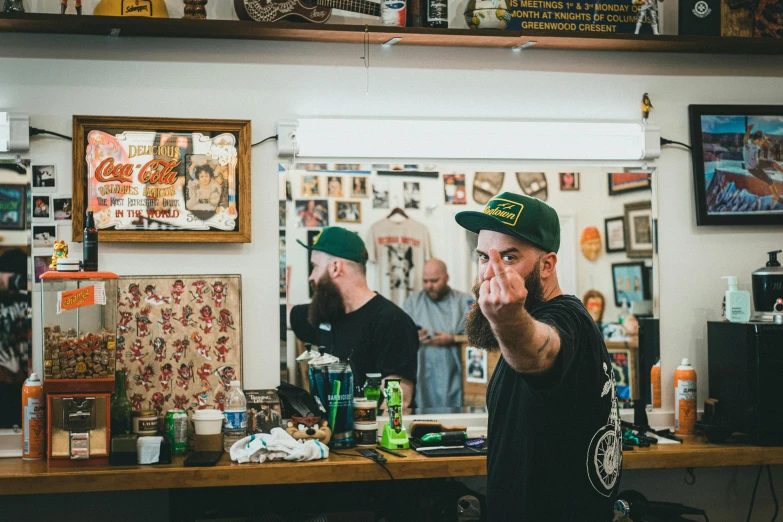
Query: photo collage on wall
[50, 215]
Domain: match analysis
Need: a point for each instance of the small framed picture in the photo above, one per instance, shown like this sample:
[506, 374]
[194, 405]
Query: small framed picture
[623, 182]
[44, 177]
[44, 235]
[40, 266]
[63, 209]
[625, 368]
[334, 187]
[310, 186]
[614, 231]
[411, 194]
[569, 181]
[475, 365]
[638, 229]
[282, 215]
[349, 212]
[630, 282]
[359, 187]
[312, 213]
[42, 207]
[454, 189]
[12, 207]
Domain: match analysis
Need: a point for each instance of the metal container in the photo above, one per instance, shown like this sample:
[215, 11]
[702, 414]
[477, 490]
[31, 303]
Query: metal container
[768, 287]
[175, 427]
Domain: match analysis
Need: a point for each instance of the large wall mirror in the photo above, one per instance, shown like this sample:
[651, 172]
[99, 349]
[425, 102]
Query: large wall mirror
[608, 248]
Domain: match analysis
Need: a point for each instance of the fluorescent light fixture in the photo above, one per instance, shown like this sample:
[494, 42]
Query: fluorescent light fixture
[468, 139]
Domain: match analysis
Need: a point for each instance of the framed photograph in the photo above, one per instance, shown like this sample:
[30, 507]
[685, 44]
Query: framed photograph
[334, 187]
[44, 236]
[569, 181]
[42, 207]
[359, 187]
[380, 194]
[411, 193]
[12, 206]
[281, 258]
[162, 180]
[44, 177]
[638, 229]
[614, 231]
[180, 339]
[624, 182]
[282, 213]
[630, 281]
[40, 266]
[454, 189]
[476, 365]
[63, 209]
[310, 186]
[349, 211]
[737, 164]
[625, 365]
[312, 213]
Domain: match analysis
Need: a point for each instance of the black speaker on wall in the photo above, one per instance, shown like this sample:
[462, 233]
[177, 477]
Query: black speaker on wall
[699, 17]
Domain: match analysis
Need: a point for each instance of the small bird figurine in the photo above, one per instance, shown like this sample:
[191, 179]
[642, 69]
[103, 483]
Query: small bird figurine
[647, 106]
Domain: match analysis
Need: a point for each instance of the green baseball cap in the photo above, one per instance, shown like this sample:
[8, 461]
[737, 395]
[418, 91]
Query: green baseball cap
[516, 215]
[339, 242]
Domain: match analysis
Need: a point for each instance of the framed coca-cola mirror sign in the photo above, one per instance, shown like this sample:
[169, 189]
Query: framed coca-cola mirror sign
[162, 179]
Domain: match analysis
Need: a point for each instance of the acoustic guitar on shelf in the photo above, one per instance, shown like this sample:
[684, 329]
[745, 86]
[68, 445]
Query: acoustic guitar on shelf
[317, 11]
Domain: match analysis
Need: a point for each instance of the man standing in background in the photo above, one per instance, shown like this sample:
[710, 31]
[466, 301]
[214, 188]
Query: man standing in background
[439, 312]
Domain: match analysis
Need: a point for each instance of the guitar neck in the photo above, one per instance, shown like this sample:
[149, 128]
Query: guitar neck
[355, 6]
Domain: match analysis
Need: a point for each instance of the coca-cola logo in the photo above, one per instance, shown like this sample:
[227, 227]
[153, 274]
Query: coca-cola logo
[154, 172]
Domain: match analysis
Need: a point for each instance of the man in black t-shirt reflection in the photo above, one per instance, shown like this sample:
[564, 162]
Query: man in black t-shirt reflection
[351, 321]
[554, 448]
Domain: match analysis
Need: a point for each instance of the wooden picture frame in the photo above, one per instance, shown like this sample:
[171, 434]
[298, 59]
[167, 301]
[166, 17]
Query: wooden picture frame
[631, 181]
[174, 151]
[565, 184]
[13, 206]
[614, 234]
[625, 362]
[344, 214]
[639, 234]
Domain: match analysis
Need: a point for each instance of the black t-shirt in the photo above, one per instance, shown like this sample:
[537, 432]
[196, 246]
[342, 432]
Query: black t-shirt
[554, 445]
[378, 337]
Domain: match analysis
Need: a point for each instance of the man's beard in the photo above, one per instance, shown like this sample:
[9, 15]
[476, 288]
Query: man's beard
[477, 327]
[327, 305]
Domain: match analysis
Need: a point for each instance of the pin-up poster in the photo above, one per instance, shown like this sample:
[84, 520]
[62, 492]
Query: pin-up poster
[163, 185]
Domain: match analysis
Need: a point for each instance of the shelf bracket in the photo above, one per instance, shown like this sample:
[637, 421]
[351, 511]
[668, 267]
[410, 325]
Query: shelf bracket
[525, 45]
[391, 42]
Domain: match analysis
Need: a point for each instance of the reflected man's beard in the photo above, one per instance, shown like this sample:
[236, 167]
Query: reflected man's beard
[477, 327]
[327, 304]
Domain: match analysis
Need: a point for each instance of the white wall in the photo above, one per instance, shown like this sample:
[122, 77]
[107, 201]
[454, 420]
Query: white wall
[54, 77]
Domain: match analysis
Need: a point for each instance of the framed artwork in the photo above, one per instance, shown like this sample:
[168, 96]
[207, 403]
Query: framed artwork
[162, 180]
[12, 206]
[614, 232]
[40, 266]
[281, 259]
[624, 182]
[359, 187]
[349, 211]
[476, 365]
[380, 194]
[44, 177]
[42, 207]
[334, 187]
[638, 229]
[179, 339]
[630, 282]
[737, 164]
[569, 181]
[411, 192]
[625, 365]
[312, 213]
[44, 235]
[310, 186]
[63, 209]
[454, 189]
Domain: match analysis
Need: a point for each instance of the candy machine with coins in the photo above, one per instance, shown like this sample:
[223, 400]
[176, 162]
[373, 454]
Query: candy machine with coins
[79, 319]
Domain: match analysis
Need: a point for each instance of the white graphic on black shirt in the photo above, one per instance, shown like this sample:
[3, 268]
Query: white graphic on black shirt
[400, 267]
[604, 454]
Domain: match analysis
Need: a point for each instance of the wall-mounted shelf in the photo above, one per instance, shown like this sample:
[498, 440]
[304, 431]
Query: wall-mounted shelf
[229, 29]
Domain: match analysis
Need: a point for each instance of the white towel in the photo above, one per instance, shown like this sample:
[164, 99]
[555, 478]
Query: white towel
[277, 445]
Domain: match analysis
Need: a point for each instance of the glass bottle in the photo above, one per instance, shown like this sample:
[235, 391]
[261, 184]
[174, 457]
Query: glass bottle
[121, 409]
[90, 244]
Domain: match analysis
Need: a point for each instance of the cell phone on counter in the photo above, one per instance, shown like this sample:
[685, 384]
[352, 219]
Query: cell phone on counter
[203, 458]
[371, 454]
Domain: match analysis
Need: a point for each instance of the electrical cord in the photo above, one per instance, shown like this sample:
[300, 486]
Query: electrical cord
[753, 496]
[35, 132]
[772, 490]
[664, 142]
[368, 458]
[265, 139]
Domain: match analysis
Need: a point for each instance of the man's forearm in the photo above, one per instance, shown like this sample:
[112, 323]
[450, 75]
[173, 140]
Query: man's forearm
[528, 346]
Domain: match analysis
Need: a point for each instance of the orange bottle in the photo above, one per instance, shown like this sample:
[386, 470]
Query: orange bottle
[655, 384]
[685, 399]
[34, 419]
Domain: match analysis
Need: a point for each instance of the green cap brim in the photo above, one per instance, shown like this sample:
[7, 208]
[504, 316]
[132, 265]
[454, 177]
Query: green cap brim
[478, 221]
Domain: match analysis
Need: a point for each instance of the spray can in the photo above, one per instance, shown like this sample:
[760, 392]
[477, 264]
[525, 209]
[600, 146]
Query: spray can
[655, 384]
[34, 419]
[685, 399]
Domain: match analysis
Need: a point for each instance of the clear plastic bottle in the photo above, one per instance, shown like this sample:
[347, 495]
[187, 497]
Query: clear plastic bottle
[235, 412]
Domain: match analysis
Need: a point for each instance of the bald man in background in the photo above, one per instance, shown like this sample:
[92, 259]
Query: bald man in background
[439, 312]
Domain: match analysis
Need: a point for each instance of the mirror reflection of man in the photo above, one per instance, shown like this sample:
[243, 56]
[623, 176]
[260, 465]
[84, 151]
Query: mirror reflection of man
[552, 405]
[440, 312]
[352, 321]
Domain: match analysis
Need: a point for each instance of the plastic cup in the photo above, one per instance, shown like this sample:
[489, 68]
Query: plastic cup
[208, 422]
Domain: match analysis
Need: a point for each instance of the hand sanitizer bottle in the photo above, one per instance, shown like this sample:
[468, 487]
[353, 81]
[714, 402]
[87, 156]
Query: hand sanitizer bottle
[737, 302]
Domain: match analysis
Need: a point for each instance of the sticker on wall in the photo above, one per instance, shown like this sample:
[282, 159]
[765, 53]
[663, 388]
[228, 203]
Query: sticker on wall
[590, 243]
[533, 184]
[454, 189]
[487, 185]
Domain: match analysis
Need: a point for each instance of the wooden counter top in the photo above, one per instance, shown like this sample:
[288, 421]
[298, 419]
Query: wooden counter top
[23, 477]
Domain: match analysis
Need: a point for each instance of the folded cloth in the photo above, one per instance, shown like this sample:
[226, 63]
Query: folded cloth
[276, 445]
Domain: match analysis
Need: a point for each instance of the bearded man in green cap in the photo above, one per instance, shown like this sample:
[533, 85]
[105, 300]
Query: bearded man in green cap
[555, 446]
